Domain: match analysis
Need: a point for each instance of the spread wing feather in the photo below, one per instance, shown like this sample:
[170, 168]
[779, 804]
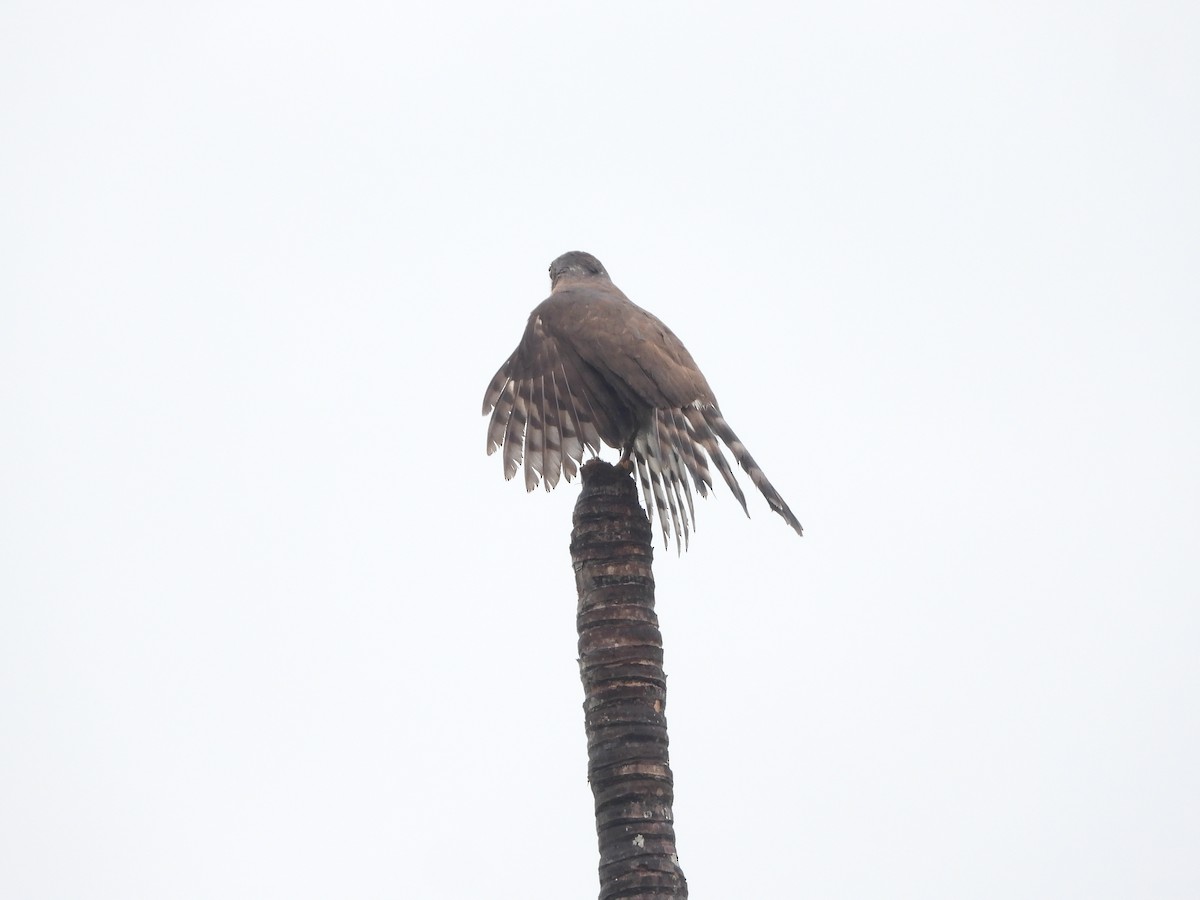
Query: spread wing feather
[542, 415]
[704, 437]
[535, 432]
[717, 423]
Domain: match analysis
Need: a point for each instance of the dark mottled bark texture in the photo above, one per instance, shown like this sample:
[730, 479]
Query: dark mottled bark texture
[625, 691]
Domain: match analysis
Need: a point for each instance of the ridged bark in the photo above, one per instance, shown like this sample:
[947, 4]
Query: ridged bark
[625, 690]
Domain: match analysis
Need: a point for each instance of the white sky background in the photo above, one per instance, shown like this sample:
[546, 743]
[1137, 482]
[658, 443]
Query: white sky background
[273, 625]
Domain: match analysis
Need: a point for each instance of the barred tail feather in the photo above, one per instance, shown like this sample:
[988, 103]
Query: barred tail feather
[717, 423]
[669, 475]
[703, 435]
[661, 455]
[653, 493]
[673, 426]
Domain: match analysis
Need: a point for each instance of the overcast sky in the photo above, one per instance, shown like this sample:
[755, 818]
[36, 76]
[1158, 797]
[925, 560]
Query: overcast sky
[273, 625]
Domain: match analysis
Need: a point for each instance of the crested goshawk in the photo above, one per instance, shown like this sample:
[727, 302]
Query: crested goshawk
[593, 367]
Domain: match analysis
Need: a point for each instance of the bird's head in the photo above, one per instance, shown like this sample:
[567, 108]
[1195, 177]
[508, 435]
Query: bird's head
[575, 264]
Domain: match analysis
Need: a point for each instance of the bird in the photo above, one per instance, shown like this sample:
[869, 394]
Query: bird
[593, 368]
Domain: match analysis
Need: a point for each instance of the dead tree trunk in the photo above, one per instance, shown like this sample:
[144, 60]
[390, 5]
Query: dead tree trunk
[625, 690]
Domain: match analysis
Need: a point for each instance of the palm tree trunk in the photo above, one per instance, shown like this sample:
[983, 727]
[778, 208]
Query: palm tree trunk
[625, 690]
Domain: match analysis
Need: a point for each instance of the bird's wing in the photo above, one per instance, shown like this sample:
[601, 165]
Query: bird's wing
[547, 406]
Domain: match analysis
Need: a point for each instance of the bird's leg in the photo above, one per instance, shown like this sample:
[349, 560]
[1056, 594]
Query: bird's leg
[625, 463]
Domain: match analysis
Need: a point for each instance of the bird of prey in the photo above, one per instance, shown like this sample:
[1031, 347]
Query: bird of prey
[592, 367]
